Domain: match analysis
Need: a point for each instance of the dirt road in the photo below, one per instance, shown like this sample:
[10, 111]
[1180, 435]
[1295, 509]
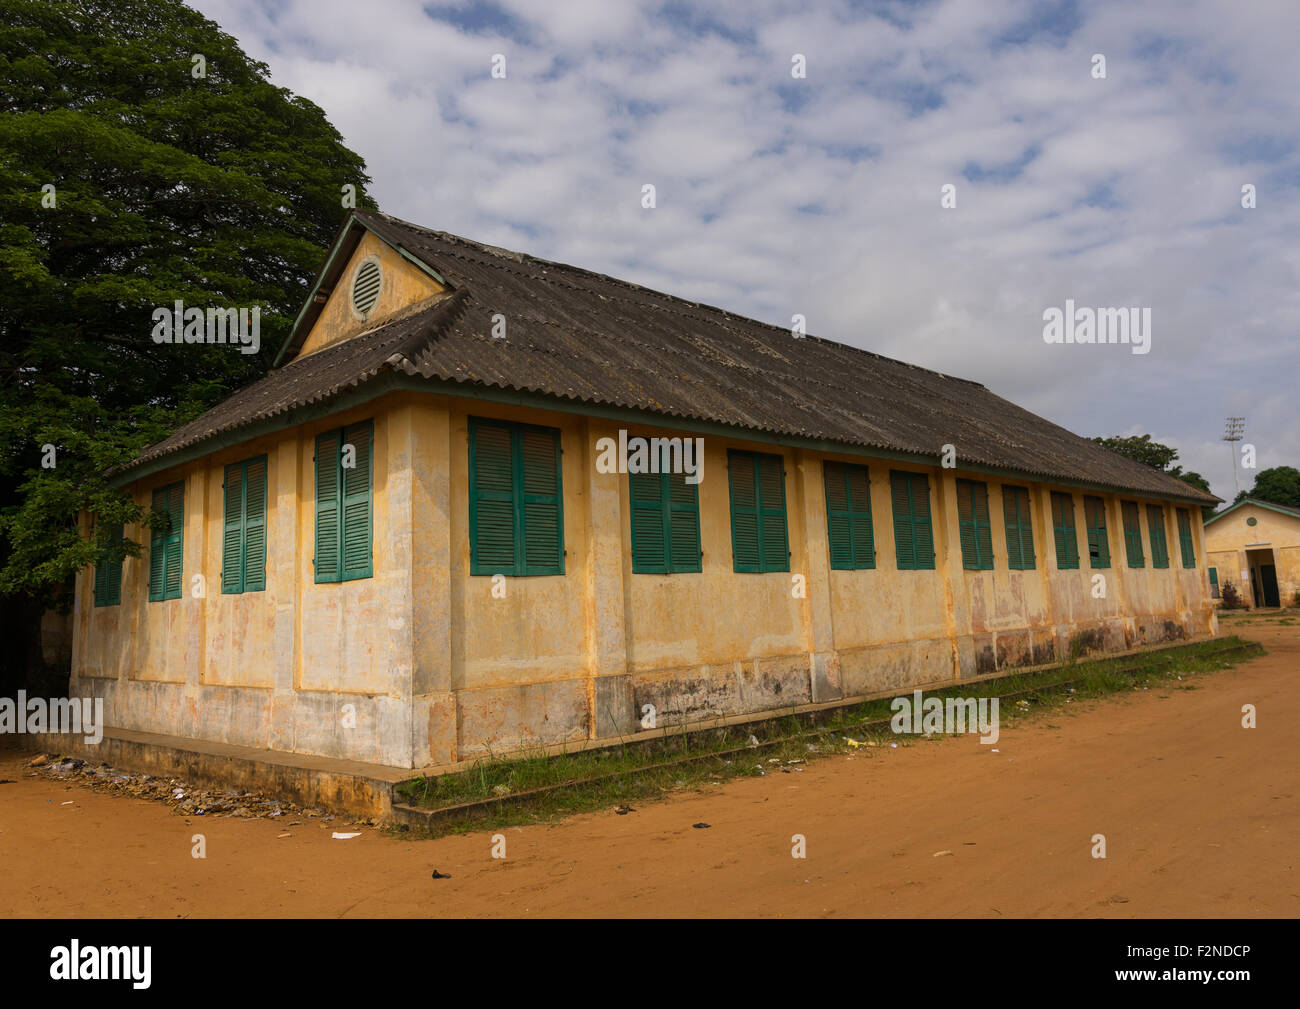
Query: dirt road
[1200, 818]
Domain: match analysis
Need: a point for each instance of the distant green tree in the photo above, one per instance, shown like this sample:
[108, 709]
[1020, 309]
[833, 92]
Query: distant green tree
[1278, 485]
[144, 158]
[1144, 450]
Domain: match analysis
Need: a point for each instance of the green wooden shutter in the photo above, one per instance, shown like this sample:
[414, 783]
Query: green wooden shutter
[913, 531]
[742, 479]
[921, 522]
[966, 525]
[174, 541]
[1186, 543]
[1020, 530]
[983, 526]
[157, 548]
[491, 499]
[1011, 519]
[541, 526]
[683, 524]
[516, 506]
[849, 532]
[900, 491]
[1159, 541]
[1132, 534]
[1094, 517]
[649, 523]
[665, 523]
[839, 517]
[101, 584]
[864, 535]
[1063, 529]
[357, 481]
[253, 572]
[108, 573]
[973, 523]
[773, 536]
[327, 560]
[1214, 583]
[232, 531]
[114, 587]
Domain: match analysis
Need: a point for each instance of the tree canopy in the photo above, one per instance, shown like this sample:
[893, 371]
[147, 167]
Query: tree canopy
[1277, 485]
[144, 159]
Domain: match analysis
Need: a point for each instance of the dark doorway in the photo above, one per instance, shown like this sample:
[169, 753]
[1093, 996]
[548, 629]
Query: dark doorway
[1268, 584]
[1263, 577]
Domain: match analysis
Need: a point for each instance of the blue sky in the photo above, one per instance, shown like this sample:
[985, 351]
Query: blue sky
[820, 196]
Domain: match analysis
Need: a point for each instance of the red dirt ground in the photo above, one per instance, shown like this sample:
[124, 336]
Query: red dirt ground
[1200, 816]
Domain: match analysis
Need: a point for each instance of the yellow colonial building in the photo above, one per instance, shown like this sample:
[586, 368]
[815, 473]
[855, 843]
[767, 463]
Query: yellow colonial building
[440, 526]
[1255, 545]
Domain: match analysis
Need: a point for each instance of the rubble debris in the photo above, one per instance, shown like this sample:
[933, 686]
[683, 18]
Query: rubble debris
[185, 798]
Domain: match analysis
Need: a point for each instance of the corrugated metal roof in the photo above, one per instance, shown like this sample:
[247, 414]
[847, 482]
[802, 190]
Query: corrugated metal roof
[579, 335]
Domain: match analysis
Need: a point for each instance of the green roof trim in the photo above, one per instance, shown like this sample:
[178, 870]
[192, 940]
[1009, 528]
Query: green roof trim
[1280, 509]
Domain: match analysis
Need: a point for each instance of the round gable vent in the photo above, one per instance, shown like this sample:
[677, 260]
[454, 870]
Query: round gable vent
[365, 288]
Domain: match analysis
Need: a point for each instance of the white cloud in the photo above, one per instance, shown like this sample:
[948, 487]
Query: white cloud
[821, 196]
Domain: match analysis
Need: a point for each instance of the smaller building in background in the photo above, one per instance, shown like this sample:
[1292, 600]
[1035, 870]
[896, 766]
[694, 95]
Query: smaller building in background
[1255, 545]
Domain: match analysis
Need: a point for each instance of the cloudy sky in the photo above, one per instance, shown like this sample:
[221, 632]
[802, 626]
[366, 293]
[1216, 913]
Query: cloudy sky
[821, 195]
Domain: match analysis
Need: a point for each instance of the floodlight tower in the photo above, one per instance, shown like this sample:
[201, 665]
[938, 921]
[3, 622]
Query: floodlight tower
[1233, 432]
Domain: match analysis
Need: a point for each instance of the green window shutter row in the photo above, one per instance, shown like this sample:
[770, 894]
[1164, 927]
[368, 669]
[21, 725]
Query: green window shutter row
[848, 516]
[1094, 517]
[108, 574]
[165, 543]
[1067, 537]
[1132, 534]
[516, 512]
[975, 525]
[913, 531]
[759, 539]
[665, 523]
[1185, 541]
[243, 534]
[344, 509]
[1156, 530]
[1020, 529]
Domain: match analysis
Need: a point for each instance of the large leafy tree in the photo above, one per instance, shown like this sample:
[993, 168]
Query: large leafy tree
[144, 159]
[1279, 485]
[1152, 453]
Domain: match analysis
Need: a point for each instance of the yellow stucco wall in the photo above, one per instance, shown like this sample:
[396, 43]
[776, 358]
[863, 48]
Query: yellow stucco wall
[1235, 546]
[424, 637]
[403, 286]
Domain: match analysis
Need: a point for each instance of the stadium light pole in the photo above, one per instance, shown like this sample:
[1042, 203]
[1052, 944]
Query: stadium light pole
[1233, 432]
